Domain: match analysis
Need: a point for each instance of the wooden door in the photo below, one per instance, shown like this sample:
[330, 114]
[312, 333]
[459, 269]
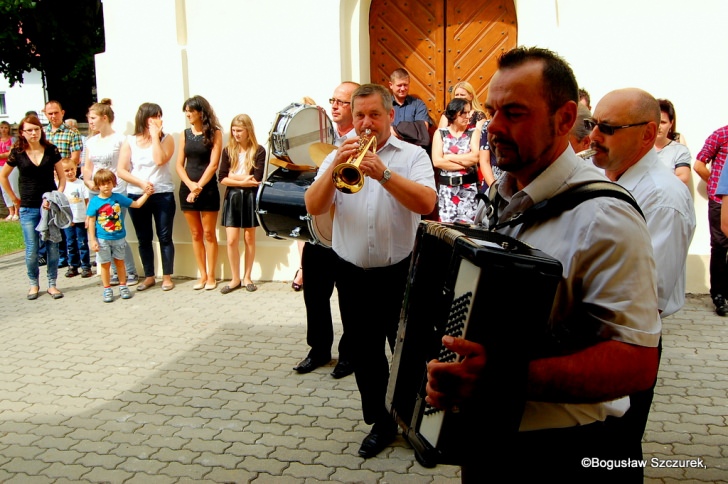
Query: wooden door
[440, 43]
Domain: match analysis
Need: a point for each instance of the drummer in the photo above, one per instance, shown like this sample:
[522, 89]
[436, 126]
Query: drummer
[318, 263]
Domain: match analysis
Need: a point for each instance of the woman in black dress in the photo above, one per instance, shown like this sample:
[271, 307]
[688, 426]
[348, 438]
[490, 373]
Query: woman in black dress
[241, 171]
[199, 197]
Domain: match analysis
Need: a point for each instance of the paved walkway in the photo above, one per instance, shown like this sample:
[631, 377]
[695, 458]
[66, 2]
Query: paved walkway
[194, 386]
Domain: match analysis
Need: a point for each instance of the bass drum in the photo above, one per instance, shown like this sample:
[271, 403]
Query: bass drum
[282, 209]
[296, 128]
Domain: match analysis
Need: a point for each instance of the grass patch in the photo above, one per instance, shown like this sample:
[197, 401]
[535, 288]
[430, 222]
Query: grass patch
[11, 237]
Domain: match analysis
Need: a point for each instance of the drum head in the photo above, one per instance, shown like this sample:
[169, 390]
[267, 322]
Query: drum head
[297, 127]
[322, 227]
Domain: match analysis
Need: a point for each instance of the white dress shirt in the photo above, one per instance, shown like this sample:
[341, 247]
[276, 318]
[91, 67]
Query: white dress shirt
[371, 228]
[668, 209]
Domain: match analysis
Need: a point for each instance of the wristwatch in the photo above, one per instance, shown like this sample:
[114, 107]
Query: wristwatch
[385, 176]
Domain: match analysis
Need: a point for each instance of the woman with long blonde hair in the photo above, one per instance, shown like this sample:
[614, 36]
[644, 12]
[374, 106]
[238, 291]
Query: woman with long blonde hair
[241, 171]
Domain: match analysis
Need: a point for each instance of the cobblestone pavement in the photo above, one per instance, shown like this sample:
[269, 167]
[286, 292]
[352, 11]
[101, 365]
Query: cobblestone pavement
[196, 386]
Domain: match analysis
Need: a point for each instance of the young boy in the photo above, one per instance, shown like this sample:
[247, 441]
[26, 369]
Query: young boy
[106, 230]
[76, 239]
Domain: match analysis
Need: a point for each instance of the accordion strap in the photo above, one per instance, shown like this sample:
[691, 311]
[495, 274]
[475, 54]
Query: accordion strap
[552, 207]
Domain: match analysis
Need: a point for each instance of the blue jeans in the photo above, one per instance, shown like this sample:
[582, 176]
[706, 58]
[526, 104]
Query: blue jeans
[29, 218]
[161, 207]
[77, 245]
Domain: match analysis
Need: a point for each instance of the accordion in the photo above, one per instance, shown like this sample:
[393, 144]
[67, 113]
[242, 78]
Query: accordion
[485, 287]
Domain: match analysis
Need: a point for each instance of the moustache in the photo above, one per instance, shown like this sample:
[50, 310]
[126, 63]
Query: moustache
[596, 146]
[496, 141]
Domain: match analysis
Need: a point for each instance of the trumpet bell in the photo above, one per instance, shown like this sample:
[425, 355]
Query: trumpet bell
[348, 177]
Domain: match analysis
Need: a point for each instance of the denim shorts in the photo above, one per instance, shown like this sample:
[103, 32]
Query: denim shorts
[110, 249]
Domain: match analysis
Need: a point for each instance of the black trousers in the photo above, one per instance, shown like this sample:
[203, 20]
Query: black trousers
[718, 252]
[370, 301]
[319, 269]
[558, 455]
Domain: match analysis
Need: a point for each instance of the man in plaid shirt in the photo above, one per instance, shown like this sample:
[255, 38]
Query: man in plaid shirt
[68, 141]
[715, 152]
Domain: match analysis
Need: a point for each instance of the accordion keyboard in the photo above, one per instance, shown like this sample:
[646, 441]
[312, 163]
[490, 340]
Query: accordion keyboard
[454, 327]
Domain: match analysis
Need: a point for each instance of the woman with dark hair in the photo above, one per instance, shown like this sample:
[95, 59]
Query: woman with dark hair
[144, 162]
[465, 90]
[455, 153]
[37, 160]
[199, 197]
[668, 143]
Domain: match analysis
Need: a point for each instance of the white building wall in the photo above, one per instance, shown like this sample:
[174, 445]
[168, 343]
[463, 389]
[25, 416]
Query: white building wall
[243, 56]
[21, 98]
[258, 57]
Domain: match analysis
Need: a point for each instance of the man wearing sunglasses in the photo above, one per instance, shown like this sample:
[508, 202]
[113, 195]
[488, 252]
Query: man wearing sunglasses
[604, 326]
[624, 128]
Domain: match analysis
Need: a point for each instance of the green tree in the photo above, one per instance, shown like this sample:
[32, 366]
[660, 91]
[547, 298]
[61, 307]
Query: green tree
[57, 38]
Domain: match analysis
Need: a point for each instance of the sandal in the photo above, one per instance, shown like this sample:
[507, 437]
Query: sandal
[296, 286]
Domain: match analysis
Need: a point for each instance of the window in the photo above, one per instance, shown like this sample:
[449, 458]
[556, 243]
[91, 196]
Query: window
[3, 108]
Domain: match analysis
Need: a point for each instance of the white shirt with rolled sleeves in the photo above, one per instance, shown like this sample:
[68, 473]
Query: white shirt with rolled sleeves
[608, 273]
[379, 230]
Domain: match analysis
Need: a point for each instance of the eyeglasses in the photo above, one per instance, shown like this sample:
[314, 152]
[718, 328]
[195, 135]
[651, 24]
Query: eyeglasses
[33, 130]
[608, 129]
[334, 101]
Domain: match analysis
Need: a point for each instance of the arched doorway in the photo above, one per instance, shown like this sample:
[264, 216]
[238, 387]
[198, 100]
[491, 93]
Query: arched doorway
[440, 43]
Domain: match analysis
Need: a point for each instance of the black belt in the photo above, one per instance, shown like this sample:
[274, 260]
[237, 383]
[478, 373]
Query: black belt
[456, 181]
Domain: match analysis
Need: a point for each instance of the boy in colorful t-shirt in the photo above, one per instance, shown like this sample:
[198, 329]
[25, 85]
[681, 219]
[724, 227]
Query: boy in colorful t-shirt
[106, 232]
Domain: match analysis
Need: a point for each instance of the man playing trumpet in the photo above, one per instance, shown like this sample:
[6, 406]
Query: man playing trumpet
[373, 237]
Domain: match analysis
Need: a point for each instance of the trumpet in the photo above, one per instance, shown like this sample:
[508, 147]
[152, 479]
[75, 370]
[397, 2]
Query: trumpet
[348, 178]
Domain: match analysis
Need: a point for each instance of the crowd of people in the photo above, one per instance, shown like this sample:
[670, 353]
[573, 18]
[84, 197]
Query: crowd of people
[589, 387]
[47, 184]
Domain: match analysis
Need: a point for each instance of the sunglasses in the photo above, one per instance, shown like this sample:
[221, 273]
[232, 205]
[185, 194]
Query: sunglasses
[608, 129]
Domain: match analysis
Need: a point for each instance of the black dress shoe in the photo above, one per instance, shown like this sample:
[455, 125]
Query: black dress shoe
[378, 439]
[343, 368]
[309, 364]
